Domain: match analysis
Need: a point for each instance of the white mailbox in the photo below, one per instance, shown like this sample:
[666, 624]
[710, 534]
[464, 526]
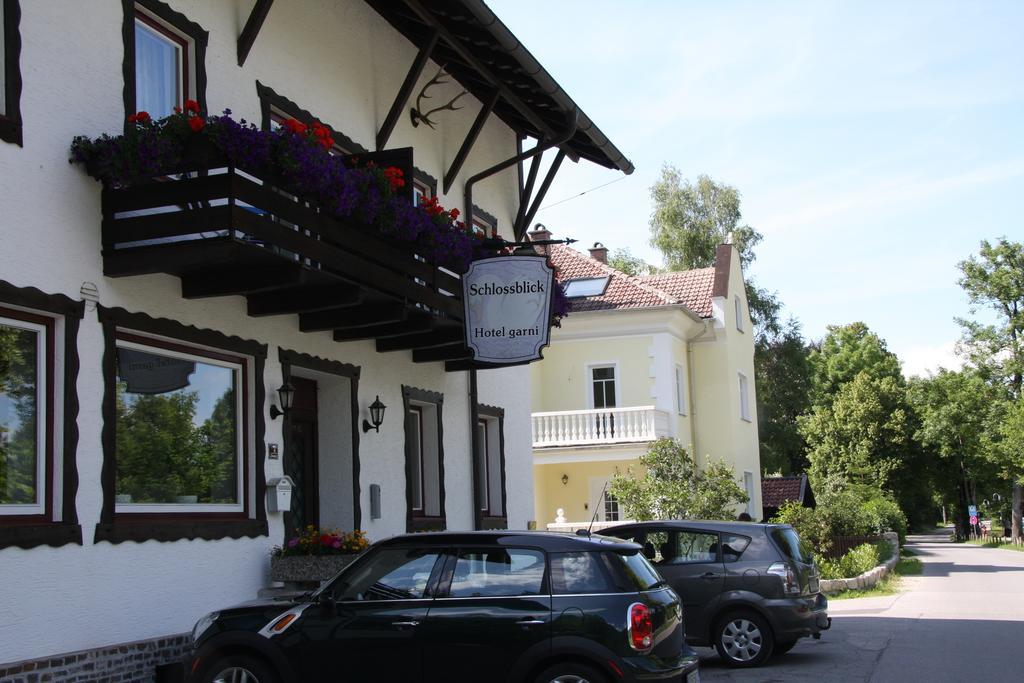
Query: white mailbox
[279, 494]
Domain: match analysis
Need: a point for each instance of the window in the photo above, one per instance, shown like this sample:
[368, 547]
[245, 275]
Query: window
[733, 546]
[744, 398]
[490, 467]
[26, 385]
[497, 572]
[483, 223]
[593, 286]
[276, 109]
[390, 574]
[739, 312]
[10, 71]
[611, 508]
[580, 573]
[38, 418]
[183, 456]
[682, 547]
[602, 380]
[164, 60]
[424, 460]
[180, 428]
[680, 390]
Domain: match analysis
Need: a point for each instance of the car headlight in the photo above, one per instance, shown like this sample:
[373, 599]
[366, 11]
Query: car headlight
[203, 624]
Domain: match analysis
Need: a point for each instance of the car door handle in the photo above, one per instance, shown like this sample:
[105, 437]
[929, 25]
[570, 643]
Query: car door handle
[405, 624]
[530, 622]
[709, 575]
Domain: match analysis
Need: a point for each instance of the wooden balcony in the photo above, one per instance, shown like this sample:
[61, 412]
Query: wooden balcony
[603, 426]
[226, 233]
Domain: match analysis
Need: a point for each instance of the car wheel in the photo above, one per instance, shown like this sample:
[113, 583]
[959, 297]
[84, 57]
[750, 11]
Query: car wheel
[571, 672]
[239, 669]
[782, 647]
[743, 639]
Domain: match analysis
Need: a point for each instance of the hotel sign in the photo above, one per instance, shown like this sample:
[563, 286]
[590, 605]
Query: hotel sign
[507, 303]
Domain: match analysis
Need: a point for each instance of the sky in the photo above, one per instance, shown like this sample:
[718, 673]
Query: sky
[874, 144]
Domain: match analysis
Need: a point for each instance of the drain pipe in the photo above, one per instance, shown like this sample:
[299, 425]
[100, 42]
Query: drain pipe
[540, 148]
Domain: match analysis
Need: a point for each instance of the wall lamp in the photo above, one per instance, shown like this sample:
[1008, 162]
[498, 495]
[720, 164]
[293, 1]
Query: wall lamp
[376, 414]
[286, 394]
[565, 479]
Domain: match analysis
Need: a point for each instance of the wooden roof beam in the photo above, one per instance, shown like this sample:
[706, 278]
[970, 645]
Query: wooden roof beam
[402, 98]
[471, 137]
[252, 28]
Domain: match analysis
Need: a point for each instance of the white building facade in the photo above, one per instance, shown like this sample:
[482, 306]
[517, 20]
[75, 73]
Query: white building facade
[113, 533]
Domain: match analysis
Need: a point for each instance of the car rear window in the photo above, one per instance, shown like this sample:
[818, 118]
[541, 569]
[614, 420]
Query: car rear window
[791, 545]
[634, 572]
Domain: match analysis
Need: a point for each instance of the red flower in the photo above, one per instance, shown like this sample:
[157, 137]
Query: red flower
[177, 110]
[196, 124]
[295, 126]
[139, 117]
[326, 539]
[394, 176]
[454, 213]
[192, 105]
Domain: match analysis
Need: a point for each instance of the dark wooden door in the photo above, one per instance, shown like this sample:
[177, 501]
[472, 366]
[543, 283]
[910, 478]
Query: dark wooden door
[301, 457]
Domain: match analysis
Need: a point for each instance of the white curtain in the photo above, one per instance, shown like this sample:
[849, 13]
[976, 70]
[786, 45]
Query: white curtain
[157, 77]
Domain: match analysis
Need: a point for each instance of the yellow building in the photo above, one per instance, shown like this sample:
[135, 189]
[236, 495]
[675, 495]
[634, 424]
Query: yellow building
[638, 359]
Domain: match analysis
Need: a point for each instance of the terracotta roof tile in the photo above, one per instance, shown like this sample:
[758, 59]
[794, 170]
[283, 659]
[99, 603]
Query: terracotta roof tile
[776, 491]
[690, 288]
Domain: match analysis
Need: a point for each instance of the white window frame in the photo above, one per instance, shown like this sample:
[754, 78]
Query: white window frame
[430, 461]
[481, 227]
[242, 428]
[590, 367]
[738, 306]
[186, 85]
[610, 504]
[42, 413]
[680, 390]
[420, 190]
[744, 387]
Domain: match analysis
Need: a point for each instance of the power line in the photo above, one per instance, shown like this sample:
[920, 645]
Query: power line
[575, 196]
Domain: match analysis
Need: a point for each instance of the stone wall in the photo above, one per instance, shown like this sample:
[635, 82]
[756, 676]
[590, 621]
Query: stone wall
[136, 662]
[867, 579]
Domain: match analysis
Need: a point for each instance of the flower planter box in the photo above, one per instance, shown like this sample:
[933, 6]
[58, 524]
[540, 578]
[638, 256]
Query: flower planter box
[308, 568]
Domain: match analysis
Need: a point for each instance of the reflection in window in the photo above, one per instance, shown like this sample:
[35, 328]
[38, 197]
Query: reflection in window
[733, 546]
[498, 572]
[22, 458]
[578, 573]
[178, 427]
[390, 574]
[161, 63]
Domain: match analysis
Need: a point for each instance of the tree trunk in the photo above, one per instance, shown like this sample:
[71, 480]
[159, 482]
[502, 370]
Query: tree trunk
[1015, 511]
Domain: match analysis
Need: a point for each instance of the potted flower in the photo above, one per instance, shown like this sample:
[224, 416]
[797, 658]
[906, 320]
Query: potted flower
[316, 554]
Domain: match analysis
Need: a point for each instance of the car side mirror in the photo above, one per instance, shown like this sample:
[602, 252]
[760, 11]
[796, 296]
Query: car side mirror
[328, 605]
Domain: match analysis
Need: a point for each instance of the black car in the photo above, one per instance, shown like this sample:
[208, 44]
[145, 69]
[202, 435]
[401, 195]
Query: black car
[748, 589]
[494, 605]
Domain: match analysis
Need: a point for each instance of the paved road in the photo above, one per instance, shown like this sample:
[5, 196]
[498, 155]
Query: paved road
[961, 620]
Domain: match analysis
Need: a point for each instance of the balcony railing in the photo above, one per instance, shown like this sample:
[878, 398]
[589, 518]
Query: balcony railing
[599, 426]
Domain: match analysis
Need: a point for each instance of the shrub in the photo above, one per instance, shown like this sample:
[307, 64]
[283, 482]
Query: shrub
[863, 558]
[885, 515]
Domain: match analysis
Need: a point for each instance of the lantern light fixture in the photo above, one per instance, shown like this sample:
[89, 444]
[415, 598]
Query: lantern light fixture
[285, 395]
[376, 415]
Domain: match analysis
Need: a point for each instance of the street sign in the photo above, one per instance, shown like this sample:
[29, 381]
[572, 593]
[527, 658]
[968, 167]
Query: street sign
[974, 520]
[972, 510]
[508, 308]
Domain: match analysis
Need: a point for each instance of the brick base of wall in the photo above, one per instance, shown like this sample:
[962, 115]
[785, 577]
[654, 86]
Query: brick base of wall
[124, 663]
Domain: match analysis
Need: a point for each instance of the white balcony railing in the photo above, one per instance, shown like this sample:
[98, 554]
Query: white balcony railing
[599, 426]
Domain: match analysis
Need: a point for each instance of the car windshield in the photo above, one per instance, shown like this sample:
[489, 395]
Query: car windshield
[791, 545]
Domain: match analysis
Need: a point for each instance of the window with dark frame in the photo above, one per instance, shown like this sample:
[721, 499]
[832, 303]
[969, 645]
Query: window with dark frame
[489, 467]
[603, 383]
[38, 417]
[10, 72]
[424, 460]
[181, 426]
[164, 58]
[26, 407]
[483, 467]
[276, 109]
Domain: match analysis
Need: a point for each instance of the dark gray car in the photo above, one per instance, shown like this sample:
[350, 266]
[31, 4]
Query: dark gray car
[749, 590]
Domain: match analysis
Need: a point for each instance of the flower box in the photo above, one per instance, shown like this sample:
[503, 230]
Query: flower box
[308, 568]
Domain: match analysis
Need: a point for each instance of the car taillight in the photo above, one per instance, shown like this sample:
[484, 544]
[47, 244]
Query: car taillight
[641, 630]
[790, 585]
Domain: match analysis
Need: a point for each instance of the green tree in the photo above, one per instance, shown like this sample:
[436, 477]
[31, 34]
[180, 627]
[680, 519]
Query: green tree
[783, 375]
[690, 220]
[847, 351]
[956, 413]
[994, 280]
[18, 446]
[623, 259]
[672, 486]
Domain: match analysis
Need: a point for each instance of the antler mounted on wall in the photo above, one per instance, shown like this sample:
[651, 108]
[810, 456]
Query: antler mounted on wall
[417, 114]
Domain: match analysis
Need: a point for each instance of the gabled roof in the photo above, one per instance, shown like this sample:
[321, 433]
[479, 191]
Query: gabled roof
[691, 289]
[777, 491]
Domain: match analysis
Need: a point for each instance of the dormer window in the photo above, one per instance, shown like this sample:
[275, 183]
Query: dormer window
[593, 286]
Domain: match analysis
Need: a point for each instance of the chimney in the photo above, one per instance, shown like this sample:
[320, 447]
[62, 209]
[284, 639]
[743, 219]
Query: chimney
[599, 252]
[539, 234]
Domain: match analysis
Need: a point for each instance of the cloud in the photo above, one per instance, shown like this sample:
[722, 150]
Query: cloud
[924, 360]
